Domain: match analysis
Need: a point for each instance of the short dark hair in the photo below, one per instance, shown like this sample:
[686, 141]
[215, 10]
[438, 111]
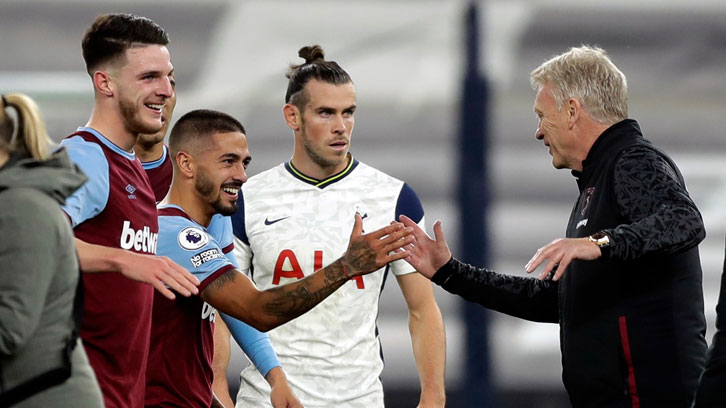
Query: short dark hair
[314, 67]
[111, 35]
[198, 124]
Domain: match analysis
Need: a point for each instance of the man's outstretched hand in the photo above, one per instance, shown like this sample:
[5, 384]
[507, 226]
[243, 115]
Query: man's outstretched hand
[369, 252]
[425, 254]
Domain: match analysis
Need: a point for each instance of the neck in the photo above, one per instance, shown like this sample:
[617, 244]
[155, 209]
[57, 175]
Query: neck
[111, 126]
[589, 135]
[311, 169]
[149, 152]
[183, 194]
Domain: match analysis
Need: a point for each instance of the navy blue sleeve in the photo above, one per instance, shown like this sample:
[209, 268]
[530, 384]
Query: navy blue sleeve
[238, 220]
[409, 205]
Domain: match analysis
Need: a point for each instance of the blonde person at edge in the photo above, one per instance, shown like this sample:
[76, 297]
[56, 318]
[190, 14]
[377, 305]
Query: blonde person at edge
[42, 361]
[294, 219]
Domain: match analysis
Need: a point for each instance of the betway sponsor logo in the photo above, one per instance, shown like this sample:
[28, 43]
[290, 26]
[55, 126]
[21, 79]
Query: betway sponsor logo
[142, 240]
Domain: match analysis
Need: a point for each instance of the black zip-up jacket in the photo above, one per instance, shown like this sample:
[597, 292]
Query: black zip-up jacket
[631, 323]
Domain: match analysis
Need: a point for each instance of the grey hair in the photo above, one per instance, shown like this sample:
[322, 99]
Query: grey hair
[586, 74]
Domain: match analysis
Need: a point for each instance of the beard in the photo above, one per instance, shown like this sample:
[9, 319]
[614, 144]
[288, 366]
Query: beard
[317, 157]
[131, 118]
[206, 188]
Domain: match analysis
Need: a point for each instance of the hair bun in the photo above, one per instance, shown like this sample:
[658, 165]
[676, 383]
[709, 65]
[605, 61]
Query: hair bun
[312, 53]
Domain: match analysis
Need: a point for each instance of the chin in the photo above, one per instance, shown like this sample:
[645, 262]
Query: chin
[225, 210]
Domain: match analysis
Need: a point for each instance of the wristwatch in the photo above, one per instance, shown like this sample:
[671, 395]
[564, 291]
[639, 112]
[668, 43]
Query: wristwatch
[602, 240]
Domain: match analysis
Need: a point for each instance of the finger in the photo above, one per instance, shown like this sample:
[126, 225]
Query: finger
[534, 261]
[561, 268]
[406, 221]
[159, 286]
[183, 277]
[439, 232]
[357, 226]
[387, 230]
[548, 268]
[395, 256]
[400, 243]
[397, 235]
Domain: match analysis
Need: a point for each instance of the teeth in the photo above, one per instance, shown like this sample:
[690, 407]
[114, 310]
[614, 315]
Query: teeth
[155, 106]
[230, 190]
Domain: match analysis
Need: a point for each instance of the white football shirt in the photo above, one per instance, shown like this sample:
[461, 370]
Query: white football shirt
[287, 227]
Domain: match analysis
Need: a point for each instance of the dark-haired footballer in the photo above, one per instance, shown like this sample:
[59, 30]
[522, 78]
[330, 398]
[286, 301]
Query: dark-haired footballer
[294, 219]
[114, 213]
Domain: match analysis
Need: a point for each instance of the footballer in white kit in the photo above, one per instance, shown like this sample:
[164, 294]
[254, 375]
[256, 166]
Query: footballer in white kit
[332, 354]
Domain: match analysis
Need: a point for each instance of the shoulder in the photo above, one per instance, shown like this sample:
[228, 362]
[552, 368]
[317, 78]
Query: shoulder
[261, 179]
[643, 159]
[88, 156]
[27, 209]
[78, 146]
[26, 200]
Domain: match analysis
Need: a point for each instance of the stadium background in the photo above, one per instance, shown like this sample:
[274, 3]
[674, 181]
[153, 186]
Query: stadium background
[408, 60]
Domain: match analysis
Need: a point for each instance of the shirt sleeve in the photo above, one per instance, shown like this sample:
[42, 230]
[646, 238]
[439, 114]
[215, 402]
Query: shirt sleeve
[524, 297]
[89, 200]
[256, 345]
[27, 254]
[221, 229]
[660, 216]
[242, 251]
[408, 204]
[192, 248]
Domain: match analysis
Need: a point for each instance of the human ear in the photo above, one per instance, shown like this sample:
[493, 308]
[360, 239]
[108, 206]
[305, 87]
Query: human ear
[292, 116]
[574, 108]
[185, 163]
[103, 83]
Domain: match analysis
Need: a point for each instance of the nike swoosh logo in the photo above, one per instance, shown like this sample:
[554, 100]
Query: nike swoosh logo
[268, 222]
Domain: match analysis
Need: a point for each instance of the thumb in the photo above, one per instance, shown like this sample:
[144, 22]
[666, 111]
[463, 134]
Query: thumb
[357, 226]
[438, 231]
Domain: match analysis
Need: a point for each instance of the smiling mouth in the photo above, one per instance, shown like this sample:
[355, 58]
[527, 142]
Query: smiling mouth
[155, 106]
[233, 191]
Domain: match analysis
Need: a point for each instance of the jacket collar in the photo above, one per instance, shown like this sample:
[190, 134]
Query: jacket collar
[611, 141]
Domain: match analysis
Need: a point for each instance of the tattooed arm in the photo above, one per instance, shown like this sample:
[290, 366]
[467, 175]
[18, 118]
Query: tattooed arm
[234, 294]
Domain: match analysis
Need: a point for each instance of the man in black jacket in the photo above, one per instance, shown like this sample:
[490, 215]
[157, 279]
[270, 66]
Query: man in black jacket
[625, 284]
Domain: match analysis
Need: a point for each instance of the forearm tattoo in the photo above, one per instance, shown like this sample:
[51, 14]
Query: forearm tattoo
[223, 279]
[292, 300]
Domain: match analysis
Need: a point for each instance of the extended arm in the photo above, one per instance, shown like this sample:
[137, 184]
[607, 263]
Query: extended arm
[157, 271]
[234, 294]
[522, 297]
[428, 338]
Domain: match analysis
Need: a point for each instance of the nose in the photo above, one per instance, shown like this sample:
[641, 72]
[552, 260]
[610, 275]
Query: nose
[339, 125]
[241, 176]
[538, 134]
[166, 89]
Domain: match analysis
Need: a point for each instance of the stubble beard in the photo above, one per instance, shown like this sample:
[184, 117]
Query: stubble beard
[205, 187]
[130, 116]
[317, 157]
